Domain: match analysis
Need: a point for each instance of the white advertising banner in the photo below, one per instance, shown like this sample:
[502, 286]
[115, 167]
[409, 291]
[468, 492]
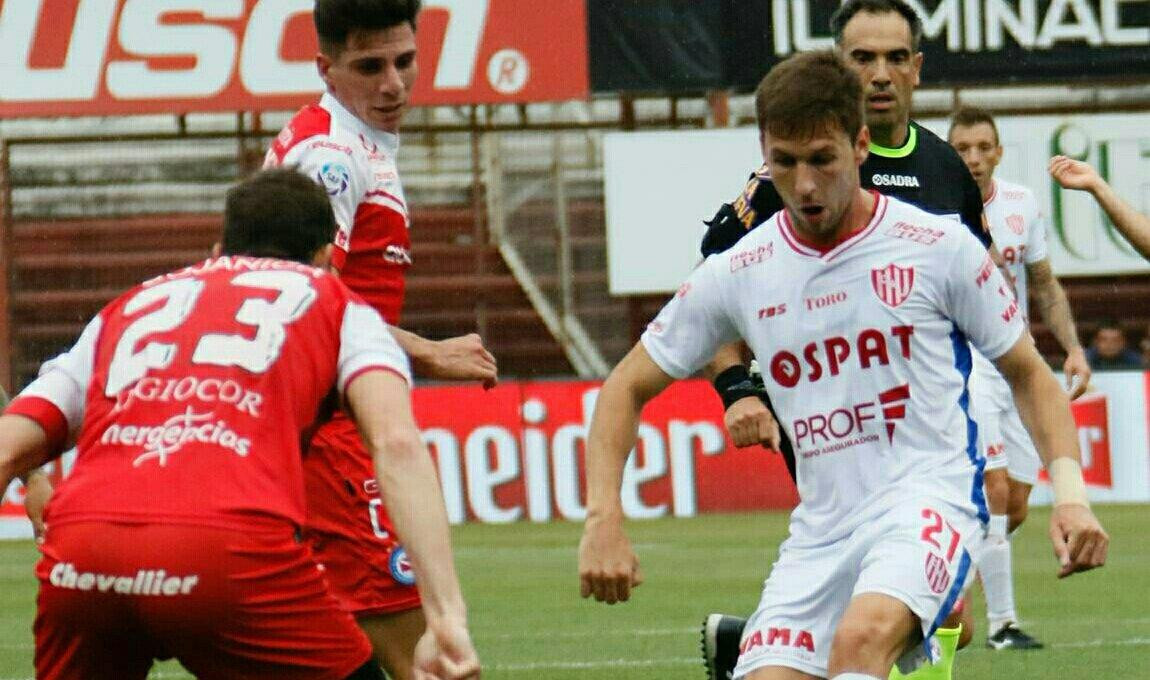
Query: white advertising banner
[1082, 240]
[660, 186]
[1113, 440]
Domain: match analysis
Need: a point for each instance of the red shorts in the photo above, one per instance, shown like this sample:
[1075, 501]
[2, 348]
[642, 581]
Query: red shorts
[228, 604]
[348, 528]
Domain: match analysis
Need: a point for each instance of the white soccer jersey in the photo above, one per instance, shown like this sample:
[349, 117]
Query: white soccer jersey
[864, 353]
[1019, 230]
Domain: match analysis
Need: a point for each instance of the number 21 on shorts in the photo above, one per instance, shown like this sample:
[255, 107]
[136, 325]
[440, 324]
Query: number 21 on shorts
[935, 526]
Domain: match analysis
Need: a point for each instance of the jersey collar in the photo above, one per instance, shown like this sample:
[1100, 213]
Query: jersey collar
[993, 193]
[387, 141]
[803, 247]
[903, 151]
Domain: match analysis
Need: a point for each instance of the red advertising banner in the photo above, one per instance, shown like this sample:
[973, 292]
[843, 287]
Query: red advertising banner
[517, 453]
[109, 57]
[1090, 414]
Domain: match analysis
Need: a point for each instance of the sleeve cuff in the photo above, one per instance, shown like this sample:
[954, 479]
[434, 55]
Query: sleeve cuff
[47, 415]
[368, 369]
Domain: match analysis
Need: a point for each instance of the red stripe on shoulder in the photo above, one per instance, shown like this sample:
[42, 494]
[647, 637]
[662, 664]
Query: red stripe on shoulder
[310, 121]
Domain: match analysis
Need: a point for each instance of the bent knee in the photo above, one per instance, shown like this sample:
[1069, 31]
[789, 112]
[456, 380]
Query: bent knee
[878, 634]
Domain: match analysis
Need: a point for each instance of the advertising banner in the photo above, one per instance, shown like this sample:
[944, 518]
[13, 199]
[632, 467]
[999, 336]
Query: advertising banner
[1080, 237]
[965, 42]
[103, 57]
[515, 453]
[1113, 439]
[660, 186]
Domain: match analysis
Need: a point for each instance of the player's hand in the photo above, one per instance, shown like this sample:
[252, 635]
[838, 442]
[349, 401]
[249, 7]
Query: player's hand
[445, 652]
[37, 493]
[1072, 174]
[1080, 542]
[1077, 372]
[464, 358]
[608, 566]
[750, 422]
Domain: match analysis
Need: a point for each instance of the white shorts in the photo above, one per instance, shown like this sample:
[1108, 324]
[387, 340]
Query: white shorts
[919, 552]
[1005, 442]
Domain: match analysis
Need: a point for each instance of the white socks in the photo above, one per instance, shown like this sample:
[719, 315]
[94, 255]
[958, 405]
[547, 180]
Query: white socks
[854, 676]
[997, 580]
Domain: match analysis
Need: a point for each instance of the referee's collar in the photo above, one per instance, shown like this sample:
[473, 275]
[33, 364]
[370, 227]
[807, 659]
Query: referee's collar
[901, 152]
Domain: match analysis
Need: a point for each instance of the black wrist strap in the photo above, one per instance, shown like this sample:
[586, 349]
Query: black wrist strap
[733, 384]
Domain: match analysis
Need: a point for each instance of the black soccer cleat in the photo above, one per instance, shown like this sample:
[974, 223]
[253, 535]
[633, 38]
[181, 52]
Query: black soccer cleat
[721, 637]
[1011, 636]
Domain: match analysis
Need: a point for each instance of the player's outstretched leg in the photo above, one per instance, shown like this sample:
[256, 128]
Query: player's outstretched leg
[721, 637]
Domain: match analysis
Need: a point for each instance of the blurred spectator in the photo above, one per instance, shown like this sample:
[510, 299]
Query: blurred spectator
[1108, 350]
[1145, 347]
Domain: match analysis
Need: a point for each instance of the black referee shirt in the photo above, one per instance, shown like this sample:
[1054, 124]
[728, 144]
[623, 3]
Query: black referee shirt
[925, 171]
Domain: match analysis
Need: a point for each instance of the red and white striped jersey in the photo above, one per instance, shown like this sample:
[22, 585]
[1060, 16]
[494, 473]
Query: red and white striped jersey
[188, 395]
[864, 353]
[356, 164]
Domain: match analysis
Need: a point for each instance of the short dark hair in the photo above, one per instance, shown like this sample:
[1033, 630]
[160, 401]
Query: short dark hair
[844, 14]
[335, 20]
[969, 116]
[1107, 323]
[807, 93]
[277, 213]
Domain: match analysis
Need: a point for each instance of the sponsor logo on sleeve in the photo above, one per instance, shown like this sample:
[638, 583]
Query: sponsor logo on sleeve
[747, 258]
[984, 272]
[892, 284]
[335, 178]
[400, 567]
[912, 232]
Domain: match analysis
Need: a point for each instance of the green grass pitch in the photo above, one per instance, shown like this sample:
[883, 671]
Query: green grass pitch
[528, 620]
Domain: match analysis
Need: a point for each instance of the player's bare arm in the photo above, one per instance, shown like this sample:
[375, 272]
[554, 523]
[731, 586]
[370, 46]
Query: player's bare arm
[24, 447]
[1055, 309]
[1080, 543]
[381, 404]
[460, 358]
[1133, 225]
[608, 567]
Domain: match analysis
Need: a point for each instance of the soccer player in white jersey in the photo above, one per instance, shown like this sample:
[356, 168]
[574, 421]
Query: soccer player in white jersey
[860, 308]
[1012, 463]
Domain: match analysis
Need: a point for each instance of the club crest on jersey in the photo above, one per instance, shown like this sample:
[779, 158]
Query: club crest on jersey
[400, 567]
[1016, 223]
[335, 178]
[892, 284]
